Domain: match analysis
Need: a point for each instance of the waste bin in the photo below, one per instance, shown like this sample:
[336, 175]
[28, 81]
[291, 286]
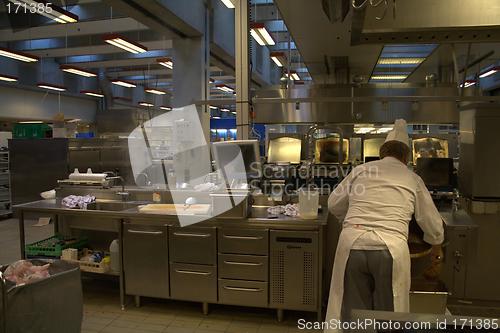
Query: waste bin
[53, 304]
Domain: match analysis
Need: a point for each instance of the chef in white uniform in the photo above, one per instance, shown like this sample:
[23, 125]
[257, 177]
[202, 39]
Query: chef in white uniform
[375, 204]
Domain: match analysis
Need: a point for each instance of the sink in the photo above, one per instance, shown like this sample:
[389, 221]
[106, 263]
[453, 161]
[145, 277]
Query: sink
[115, 206]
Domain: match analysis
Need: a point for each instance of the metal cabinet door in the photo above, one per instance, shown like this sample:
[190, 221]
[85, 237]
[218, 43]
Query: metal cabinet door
[145, 257]
[294, 270]
[196, 245]
[194, 282]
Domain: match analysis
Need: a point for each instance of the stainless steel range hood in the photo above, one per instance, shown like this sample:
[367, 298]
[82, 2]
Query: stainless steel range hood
[350, 105]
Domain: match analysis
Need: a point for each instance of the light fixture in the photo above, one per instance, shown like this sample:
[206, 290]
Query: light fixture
[92, 93]
[279, 58]
[389, 77]
[49, 10]
[233, 112]
[224, 110]
[210, 80]
[215, 117]
[126, 84]
[31, 122]
[489, 72]
[400, 61]
[18, 55]
[51, 86]
[261, 35]
[73, 120]
[468, 83]
[383, 130]
[155, 91]
[228, 3]
[225, 88]
[168, 108]
[213, 107]
[363, 130]
[167, 62]
[145, 104]
[8, 78]
[77, 71]
[293, 75]
[125, 44]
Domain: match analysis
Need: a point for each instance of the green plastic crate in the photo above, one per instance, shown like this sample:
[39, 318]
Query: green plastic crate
[51, 247]
[31, 131]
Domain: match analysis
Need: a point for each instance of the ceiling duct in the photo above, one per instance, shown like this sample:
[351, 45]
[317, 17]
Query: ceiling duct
[336, 10]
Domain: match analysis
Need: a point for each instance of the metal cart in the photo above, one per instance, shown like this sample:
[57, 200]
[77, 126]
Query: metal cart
[54, 304]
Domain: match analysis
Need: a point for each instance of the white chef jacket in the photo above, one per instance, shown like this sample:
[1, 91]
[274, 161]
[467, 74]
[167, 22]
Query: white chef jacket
[385, 194]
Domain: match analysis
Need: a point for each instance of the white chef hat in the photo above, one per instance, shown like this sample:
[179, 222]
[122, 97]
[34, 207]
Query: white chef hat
[399, 132]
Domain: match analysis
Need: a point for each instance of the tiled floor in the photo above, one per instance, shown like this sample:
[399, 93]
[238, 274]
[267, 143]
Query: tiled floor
[102, 312]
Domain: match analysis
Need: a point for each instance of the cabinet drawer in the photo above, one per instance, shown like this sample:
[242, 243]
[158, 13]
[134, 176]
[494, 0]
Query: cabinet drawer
[193, 245]
[247, 293]
[193, 282]
[243, 267]
[243, 241]
[145, 258]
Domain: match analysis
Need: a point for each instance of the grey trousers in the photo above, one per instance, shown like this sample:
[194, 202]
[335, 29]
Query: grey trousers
[367, 282]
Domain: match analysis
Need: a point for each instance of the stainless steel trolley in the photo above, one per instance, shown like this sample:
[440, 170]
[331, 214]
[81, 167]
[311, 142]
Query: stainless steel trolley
[54, 304]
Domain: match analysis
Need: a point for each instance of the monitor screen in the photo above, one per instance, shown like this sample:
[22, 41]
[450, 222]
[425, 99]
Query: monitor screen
[436, 172]
[238, 159]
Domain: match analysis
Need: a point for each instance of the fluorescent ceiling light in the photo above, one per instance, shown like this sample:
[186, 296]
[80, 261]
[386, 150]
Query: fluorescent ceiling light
[278, 58]
[31, 122]
[224, 110]
[167, 62]
[233, 112]
[8, 78]
[92, 93]
[155, 91]
[228, 3]
[77, 71]
[49, 10]
[489, 72]
[145, 104]
[382, 130]
[215, 117]
[168, 108]
[123, 83]
[210, 80]
[400, 61]
[18, 55]
[389, 77]
[261, 35]
[468, 83]
[125, 44]
[51, 86]
[73, 120]
[213, 107]
[225, 88]
[364, 130]
[293, 75]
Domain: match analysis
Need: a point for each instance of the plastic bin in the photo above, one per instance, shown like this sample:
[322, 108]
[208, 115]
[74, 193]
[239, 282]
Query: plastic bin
[50, 248]
[54, 304]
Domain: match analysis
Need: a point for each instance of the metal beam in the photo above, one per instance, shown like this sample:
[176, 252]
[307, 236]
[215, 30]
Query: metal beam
[73, 29]
[96, 49]
[242, 68]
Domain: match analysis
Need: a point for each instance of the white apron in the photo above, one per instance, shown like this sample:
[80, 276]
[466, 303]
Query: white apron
[401, 275]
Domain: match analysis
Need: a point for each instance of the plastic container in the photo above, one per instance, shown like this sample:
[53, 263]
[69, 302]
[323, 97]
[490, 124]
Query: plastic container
[114, 253]
[53, 246]
[308, 202]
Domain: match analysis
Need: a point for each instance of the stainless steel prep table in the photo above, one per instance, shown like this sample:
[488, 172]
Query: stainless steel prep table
[256, 221]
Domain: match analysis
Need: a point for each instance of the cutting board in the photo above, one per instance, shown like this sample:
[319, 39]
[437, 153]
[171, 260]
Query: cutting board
[175, 209]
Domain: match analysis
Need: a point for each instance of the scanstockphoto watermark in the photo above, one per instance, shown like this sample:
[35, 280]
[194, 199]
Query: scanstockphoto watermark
[460, 324]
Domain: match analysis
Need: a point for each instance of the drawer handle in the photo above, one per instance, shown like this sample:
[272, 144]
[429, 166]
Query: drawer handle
[182, 271]
[253, 290]
[191, 235]
[142, 232]
[243, 263]
[243, 237]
